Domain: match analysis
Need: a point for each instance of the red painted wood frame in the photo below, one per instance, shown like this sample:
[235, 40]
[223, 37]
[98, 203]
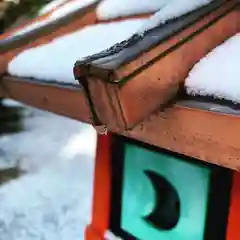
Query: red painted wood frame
[102, 191]
[233, 232]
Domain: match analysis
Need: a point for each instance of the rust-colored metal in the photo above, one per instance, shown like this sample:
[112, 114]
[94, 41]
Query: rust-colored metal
[196, 133]
[155, 81]
[233, 232]
[142, 60]
[62, 100]
[106, 104]
[102, 191]
[159, 82]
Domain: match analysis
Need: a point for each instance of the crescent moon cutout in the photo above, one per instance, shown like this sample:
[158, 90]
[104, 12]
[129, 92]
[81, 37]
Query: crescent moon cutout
[166, 212]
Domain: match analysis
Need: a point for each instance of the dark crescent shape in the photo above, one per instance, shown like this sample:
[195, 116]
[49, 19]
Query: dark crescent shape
[166, 212]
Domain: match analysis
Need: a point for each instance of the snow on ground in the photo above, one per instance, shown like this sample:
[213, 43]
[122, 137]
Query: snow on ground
[60, 12]
[52, 200]
[58, 57]
[217, 74]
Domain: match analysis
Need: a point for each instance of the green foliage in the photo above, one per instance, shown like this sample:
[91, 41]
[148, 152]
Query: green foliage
[27, 8]
[31, 6]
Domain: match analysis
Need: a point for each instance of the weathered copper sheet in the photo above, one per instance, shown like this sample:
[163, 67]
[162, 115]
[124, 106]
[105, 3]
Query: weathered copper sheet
[199, 129]
[130, 51]
[126, 95]
[61, 99]
[202, 130]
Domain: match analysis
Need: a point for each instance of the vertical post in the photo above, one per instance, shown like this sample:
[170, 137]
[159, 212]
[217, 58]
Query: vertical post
[102, 190]
[233, 232]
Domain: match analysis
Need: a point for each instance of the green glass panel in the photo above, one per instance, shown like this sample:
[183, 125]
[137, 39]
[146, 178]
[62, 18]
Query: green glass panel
[139, 197]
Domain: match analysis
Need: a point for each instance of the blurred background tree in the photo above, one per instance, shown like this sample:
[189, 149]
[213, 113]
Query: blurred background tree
[14, 13]
[13, 10]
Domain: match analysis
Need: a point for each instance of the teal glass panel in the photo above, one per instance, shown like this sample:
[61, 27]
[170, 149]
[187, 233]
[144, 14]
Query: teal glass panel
[144, 171]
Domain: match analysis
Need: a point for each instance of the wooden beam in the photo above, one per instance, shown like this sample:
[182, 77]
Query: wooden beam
[201, 133]
[102, 191]
[64, 100]
[234, 210]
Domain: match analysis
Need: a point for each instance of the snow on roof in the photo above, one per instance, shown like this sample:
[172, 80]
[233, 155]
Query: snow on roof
[217, 74]
[172, 9]
[58, 57]
[62, 11]
[54, 61]
[70, 7]
[31, 27]
[51, 6]
[109, 9]
[167, 9]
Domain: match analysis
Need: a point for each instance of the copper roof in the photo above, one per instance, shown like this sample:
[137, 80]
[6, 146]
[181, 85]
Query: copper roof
[130, 85]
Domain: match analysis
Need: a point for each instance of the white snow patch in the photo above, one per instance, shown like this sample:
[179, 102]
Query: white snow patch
[166, 9]
[60, 12]
[217, 74]
[31, 27]
[55, 61]
[71, 7]
[171, 10]
[110, 236]
[11, 103]
[59, 132]
[53, 200]
[51, 6]
[109, 9]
